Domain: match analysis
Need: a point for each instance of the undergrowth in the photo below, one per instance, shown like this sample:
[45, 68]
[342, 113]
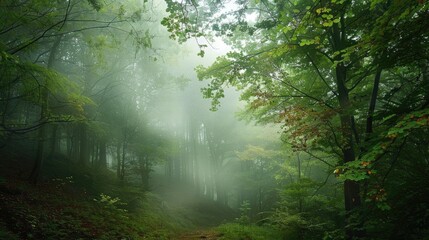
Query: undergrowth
[75, 202]
[237, 231]
[77, 208]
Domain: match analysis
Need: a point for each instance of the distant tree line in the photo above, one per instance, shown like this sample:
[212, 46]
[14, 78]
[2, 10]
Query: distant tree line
[348, 80]
[77, 78]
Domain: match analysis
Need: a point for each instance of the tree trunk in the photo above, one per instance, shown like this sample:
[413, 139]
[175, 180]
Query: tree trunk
[55, 140]
[75, 149]
[122, 169]
[144, 171]
[195, 145]
[352, 198]
[351, 188]
[102, 156]
[68, 142]
[372, 103]
[118, 160]
[44, 115]
[84, 148]
[34, 177]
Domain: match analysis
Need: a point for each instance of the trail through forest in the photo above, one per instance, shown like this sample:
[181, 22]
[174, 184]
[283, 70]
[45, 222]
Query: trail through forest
[209, 235]
[258, 120]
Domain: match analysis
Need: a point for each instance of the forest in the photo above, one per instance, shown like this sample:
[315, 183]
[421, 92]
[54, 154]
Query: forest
[214, 119]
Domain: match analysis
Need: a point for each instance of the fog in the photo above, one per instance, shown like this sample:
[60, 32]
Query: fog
[166, 119]
[123, 97]
[204, 159]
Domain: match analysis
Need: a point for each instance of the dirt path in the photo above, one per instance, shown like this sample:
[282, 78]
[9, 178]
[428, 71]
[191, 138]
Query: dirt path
[209, 235]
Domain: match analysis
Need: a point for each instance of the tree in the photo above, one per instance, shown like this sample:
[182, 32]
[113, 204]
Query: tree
[311, 65]
[46, 48]
[261, 164]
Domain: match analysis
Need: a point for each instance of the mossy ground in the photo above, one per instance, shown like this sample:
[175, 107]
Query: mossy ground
[73, 202]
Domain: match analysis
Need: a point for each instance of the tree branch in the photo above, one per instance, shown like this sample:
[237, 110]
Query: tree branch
[320, 74]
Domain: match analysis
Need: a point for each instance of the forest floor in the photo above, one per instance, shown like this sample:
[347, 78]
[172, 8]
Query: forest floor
[201, 234]
[182, 199]
[72, 202]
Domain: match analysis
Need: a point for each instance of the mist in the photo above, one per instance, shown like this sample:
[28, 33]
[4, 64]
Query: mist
[153, 119]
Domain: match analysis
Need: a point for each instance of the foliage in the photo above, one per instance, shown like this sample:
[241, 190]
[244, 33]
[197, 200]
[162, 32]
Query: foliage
[31, 216]
[244, 213]
[346, 81]
[27, 81]
[109, 202]
[62, 209]
[303, 213]
[251, 232]
[344, 78]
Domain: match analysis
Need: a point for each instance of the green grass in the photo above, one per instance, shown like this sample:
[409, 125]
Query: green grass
[235, 231]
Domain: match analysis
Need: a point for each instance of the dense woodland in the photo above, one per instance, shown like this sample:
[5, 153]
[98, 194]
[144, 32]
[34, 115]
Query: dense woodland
[235, 119]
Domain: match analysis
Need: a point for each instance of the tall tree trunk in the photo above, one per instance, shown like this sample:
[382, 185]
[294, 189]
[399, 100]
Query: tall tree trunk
[144, 171]
[372, 103]
[84, 146]
[352, 198]
[94, 152]
[75, 133]
[44, 115]
[218, 188]
[122, 171]
[34, 177]
[69, 141]
[118, 160]
[55, 140]
[195, 160]
[102, 155]
[183, 156]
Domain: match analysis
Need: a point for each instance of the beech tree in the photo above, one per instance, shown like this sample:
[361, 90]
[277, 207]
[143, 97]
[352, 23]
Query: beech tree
[324, 70]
